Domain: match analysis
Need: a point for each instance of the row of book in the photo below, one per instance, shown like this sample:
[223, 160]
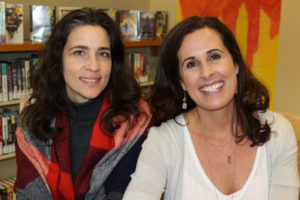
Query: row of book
[139, 62]
[7, 189]
[8, 126]
[134, 24]
[14, 78]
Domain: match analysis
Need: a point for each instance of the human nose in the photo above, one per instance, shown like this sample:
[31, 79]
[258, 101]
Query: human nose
[207, 70]
[93, 63]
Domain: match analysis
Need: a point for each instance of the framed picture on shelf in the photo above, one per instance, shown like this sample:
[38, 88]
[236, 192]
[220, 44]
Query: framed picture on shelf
[63, 10]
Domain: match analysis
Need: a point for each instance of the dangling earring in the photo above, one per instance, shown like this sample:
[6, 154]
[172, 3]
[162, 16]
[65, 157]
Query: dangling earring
[184, 104]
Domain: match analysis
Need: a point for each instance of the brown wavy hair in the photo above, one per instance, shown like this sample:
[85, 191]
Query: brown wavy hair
[48, 82]
[166, 99]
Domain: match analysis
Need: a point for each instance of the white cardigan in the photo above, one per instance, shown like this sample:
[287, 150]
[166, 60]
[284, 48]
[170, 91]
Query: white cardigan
[160, 164]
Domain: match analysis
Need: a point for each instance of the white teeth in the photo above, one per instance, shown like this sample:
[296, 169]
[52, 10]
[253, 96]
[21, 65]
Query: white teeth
[212, 88]
[89, 80]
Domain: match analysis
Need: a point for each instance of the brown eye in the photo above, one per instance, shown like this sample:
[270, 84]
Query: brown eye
[214, 57]
[78, 52]
[191, 64]
[104, 54]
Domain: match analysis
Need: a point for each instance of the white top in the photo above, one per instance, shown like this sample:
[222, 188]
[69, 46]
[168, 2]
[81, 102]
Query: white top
[160, 166]
[196, 183]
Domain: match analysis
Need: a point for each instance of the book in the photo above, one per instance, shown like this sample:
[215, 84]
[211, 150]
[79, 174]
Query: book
[9, 189]
[1, 137]
[1, 90]
[112, 13]
[127, 21]
[146, 25]
[15, 89]
[161, 24]
[63, 10]
[42, 21]
[4, 81]
[14, 23]
[27, 77]
[2, 22]
[4, 135]
[9, 82]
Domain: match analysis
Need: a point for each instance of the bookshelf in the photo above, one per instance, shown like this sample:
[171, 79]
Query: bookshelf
[8, 161]
[28, 46]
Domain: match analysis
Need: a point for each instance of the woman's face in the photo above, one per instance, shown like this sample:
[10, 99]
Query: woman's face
[207, 71]
[86, 62]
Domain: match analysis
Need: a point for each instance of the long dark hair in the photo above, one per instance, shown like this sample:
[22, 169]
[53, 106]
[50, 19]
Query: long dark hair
[48, 82]
[166, 100]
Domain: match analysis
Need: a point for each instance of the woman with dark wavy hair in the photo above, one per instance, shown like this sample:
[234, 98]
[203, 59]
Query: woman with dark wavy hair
[215, 138]
[82, 128]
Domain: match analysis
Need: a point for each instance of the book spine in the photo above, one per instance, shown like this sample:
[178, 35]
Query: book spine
[27, 74]
[19, 77]
[1, 91]
[4, 81]
[10, 140]
[5, 134]
[1, 137]
[9, 82]
[2, 23]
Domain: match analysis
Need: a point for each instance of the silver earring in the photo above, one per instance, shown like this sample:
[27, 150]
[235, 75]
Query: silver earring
[184, 104]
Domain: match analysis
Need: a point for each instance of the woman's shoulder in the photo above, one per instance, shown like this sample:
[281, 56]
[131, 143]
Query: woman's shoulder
[172, 129]
[276, 121]
[282, 132]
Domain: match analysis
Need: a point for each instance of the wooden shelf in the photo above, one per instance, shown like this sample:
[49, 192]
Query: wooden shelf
[143, 43]
[28, 46]
[9, 103]
[7, 156]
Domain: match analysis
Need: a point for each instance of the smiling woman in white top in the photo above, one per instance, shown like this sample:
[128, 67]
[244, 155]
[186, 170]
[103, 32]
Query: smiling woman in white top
[214, 137]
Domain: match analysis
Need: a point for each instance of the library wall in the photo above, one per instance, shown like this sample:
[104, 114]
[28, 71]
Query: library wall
[287, 95]
[118, 4]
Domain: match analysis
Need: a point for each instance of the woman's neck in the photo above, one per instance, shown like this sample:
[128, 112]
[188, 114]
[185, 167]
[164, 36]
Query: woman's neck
[215, 124]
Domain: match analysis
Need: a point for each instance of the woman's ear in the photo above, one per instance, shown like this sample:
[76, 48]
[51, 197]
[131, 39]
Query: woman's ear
[182, 84]
[237, 69]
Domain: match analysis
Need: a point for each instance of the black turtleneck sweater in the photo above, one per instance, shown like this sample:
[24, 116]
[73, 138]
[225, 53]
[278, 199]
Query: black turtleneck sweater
[82, 117]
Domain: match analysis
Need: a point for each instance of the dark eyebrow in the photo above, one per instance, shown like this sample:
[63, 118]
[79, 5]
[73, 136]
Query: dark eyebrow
[85, 48]
[214, 50]
[188, 58]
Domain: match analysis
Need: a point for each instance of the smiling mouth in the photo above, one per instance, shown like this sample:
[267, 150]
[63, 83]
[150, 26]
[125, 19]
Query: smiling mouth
[213, 87]
[90, 80]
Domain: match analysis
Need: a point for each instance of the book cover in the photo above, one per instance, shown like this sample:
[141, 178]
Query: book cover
[113, 13]
[143, 77]
[14, 23]
[63, 10]
[42, 21]
[128, 20]
[2, 23]
[161, 24]
[146, 25]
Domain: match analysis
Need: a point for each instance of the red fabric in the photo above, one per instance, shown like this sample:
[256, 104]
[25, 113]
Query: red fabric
[59, 176]
[26, 171]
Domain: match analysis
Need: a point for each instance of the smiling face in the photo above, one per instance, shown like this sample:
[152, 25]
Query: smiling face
[86, 62]
[207, 71]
